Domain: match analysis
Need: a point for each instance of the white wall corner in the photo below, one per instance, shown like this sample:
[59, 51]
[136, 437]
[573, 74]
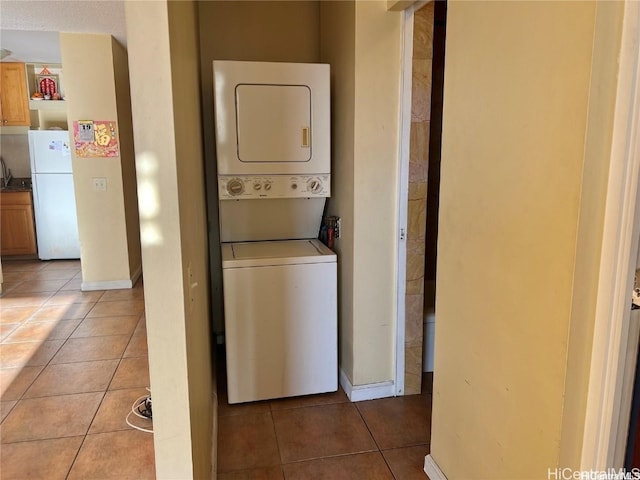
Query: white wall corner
[369, 391]
[432, 469]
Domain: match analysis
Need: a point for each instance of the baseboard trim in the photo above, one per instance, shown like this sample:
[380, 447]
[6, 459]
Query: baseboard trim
[432, 469]
[369, 391]
[110, 285]
[113, 284]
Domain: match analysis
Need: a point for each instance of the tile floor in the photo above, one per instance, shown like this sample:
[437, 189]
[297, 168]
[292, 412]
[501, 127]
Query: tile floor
[324, 437]
[73, 362]
[71, 365]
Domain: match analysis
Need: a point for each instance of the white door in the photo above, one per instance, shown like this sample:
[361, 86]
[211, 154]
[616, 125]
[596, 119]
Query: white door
[273, 123]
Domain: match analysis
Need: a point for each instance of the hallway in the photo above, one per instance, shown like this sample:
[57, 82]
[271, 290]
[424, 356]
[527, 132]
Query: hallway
[72, 363]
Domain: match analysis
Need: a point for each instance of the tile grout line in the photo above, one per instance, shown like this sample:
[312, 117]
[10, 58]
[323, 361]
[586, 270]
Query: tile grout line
[275, 433]
[384, 459]
[84, 437]
[355, 404]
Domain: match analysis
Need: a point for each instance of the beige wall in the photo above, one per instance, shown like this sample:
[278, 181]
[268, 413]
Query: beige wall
[129, 189]
[337, 33]
[250, 31]
[377, 77]
[162, 45]
[362, 42]
[260, 31]
[517, 87]
[90, 79]
[183, 31]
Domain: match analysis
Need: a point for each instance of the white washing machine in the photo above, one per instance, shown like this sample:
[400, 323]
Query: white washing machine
[280, 319]
[279, 281]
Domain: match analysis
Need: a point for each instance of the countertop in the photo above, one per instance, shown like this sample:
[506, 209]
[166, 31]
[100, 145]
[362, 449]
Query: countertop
[17, 185]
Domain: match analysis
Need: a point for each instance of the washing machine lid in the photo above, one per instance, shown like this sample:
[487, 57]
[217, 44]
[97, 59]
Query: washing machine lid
[280, 252]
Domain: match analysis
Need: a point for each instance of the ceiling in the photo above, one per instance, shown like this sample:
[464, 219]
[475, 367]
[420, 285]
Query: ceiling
[29, 29]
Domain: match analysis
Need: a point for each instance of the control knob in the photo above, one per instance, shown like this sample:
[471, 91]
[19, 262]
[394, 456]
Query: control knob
[314, 185]
[235, 187]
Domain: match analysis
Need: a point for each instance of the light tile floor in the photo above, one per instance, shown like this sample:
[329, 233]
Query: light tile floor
[71, 365]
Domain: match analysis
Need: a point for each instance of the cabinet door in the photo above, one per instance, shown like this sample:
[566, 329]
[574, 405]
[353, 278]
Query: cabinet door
[17, 235]
[14, 99]
[17, 232]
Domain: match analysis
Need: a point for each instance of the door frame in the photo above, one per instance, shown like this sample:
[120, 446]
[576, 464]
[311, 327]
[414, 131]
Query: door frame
[608, 402]
[404, 150]
[406, 71]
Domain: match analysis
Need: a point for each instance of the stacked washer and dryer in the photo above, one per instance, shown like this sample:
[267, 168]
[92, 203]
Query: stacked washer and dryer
[280, 283]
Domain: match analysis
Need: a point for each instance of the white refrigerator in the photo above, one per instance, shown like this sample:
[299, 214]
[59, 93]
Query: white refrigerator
[54, 200]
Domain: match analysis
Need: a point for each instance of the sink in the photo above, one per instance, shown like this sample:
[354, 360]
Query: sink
[17, 185]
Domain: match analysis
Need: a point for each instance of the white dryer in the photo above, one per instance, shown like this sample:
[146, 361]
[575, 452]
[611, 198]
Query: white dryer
[272, 118]
[279, 281]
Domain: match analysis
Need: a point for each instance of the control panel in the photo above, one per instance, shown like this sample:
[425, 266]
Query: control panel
[273, 186]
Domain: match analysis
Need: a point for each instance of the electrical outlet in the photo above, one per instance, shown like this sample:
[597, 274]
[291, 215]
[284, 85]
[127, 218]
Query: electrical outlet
[100, 184]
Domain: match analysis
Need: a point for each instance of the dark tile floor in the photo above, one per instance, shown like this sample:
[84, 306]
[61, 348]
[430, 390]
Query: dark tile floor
[71, 365]
[324, 437]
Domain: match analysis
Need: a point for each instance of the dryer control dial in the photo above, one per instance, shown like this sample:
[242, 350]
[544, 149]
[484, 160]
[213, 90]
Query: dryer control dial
[235, 186]
[314, 185]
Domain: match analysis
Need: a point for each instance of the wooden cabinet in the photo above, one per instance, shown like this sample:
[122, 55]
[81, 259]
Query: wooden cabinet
[14, 99]
[17, 228]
